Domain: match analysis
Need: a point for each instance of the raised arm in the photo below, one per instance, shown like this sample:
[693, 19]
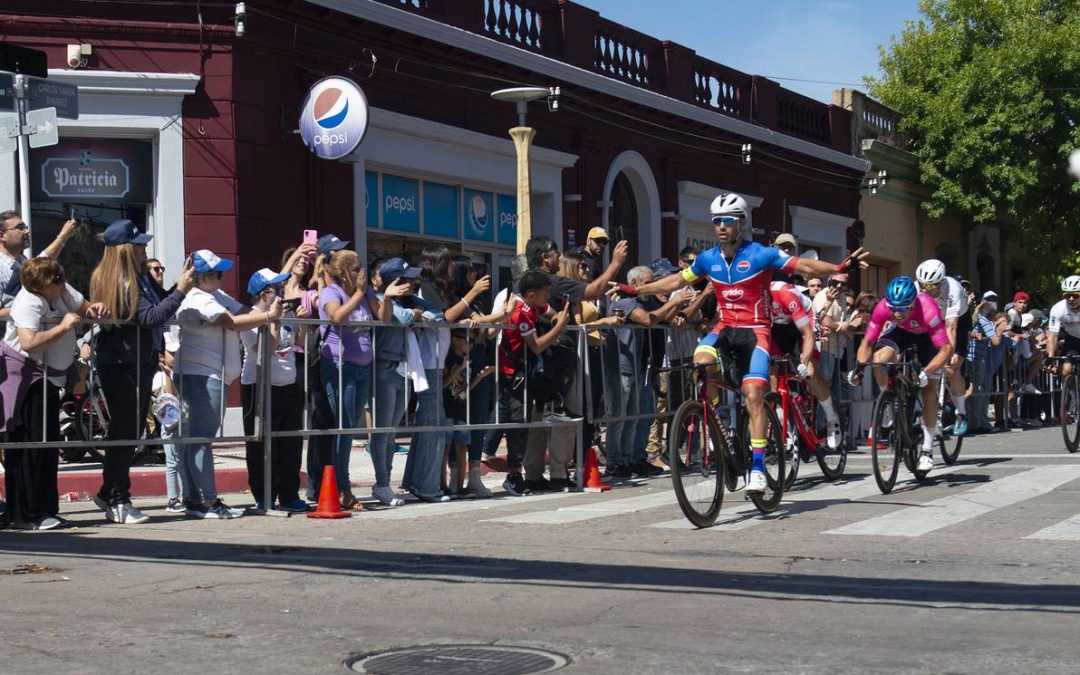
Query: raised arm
[599, 286]
[808, 267]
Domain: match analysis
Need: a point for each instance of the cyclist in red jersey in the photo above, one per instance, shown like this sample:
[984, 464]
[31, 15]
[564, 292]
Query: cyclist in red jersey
[740, 271]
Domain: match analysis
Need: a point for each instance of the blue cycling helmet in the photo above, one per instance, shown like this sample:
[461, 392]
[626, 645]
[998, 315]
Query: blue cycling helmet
[901, 292]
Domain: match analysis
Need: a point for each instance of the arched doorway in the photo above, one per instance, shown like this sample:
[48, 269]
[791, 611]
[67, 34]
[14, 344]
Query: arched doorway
[623, 221]
[632, 207]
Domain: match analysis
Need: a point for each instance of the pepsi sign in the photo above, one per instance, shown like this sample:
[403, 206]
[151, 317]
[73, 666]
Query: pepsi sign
[334, 117]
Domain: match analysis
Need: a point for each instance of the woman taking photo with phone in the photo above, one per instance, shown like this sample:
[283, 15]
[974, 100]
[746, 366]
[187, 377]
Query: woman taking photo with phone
[126, 353]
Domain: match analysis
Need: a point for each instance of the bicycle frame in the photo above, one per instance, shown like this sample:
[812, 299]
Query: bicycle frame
[793, 405]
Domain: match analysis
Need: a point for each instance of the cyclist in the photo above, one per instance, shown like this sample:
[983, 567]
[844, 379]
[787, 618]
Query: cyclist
[793, 330]
[916, 322]
[1063, 332]
[740, 271]
[952, 301]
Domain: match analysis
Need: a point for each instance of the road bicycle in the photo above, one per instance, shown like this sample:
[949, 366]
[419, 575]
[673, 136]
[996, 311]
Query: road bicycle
[895, 432]
[797, 408]
[1069, 412]
[708, 453]
[948, 442]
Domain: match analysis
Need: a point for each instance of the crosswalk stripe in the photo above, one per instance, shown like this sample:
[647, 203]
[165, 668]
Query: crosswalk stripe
[918, 520]
[1066, 530]
[744, 515]
[452, 508]
[588, 510]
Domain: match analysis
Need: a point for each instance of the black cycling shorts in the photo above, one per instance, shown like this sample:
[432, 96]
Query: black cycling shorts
[963, 331]
[1068, 345]
[902, 340]
[786, 339]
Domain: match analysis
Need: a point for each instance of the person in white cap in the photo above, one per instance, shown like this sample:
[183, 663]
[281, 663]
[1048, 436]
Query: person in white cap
[208, 360]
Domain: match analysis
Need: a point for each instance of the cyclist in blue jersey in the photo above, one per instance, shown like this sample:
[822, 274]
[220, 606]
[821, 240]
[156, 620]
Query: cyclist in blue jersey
[740, 271]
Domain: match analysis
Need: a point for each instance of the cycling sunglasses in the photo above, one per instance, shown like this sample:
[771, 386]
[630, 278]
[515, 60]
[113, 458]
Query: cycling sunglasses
[1072, 296]
[898, 310]
[928, 287]
[725, 220]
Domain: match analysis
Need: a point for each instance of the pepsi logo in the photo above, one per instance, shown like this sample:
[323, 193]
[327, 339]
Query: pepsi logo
[732, 293]
[743, 266]
[331, 108]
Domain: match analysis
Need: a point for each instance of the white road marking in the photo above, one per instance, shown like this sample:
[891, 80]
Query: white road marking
[1066, 530]
[594, 508]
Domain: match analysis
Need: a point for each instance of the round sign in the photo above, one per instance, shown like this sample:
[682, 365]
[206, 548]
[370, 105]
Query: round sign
[334, 117]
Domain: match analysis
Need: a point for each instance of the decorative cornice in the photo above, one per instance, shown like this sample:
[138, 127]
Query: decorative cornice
[127, 83]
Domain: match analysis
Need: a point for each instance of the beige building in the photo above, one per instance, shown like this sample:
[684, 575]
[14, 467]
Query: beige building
[898, 233]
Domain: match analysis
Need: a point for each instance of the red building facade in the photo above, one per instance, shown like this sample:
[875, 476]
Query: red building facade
[645, 134]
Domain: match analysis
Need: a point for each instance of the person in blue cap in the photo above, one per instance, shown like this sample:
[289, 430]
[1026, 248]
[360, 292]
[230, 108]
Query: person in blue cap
[286, 401]
[208, 360]
[126, 353]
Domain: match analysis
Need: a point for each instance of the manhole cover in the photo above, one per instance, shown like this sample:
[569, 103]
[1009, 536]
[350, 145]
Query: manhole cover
[458, 660]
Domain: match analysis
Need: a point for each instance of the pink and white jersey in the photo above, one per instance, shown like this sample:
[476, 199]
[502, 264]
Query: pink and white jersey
[788, 305]
[924, 317]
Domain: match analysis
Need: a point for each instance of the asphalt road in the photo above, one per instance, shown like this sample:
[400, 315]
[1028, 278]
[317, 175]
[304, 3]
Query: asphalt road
[973, 571]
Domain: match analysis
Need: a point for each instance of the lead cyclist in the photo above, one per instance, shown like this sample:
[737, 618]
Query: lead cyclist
[740, 271]
[952, 301]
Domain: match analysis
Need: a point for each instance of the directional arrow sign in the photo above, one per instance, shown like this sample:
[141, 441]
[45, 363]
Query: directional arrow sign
[7, 92]
[63, 97]
[42, 124]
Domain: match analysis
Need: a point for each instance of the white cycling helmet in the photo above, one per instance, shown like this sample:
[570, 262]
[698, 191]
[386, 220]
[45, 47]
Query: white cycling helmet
[1071, 284]
[729, 204]
[930, 272]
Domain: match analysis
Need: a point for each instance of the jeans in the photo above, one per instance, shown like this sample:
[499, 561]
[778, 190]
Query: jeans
[621, 400]
[646, 404]
[202, 396]
[423, 468]
[173, 486]
[390, 400]
[127, 388]
[355, 391]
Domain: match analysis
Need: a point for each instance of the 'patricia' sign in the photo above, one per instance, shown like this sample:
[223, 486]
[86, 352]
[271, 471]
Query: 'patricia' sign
[87, 170]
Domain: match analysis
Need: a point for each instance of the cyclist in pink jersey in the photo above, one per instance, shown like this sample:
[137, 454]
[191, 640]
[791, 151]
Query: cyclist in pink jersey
[916, 322]
[740, 271]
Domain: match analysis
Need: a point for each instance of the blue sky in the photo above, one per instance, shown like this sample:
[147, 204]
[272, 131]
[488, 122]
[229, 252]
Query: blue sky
[834, 40]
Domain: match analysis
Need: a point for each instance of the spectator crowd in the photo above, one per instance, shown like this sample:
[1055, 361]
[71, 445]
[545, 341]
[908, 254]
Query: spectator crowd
[391, 355]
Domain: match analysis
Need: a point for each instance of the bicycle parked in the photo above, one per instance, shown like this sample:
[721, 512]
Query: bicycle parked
[708, 453]
[798, 411]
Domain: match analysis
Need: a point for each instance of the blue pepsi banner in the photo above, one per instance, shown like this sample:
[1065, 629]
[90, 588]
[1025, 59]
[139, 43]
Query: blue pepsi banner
[479, 216]
[400, 203]
[506, 206]
[334, 117]
[371, 198]
[440, 210]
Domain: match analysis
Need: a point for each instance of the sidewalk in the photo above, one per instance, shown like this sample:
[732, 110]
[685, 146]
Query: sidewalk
[78, 481]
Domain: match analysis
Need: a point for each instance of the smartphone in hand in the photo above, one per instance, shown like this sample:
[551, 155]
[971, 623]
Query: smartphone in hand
[311, 237]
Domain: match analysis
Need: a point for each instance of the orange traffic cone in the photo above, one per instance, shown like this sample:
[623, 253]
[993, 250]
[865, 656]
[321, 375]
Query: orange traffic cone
[329, 506]
[593, 483]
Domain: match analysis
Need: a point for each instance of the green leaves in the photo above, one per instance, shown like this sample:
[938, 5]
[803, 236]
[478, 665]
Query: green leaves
[989, 94]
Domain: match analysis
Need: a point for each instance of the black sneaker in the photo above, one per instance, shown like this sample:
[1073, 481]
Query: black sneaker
[562, 484]
[515, 485]
[643, 469]
[541, 484]
[618, 471]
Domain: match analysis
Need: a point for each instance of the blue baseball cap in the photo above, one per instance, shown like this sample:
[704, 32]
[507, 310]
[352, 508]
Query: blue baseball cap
[661, 267]
[330, 242]
[263, 278]
[395, 268]
[205, 262]
[124, 232]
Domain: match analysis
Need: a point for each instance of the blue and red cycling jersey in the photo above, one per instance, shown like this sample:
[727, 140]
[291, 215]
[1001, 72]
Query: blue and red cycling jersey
[741, 287]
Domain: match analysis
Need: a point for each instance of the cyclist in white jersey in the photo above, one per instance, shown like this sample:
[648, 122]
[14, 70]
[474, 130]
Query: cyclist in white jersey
[952, 301]
[1063, 331]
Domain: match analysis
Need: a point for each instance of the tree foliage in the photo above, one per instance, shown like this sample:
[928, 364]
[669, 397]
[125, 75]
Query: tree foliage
[989, 97]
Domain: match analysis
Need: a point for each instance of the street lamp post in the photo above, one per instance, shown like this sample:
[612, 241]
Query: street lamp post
[522, 135]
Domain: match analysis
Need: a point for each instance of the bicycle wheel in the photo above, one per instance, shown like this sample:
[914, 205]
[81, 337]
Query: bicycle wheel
[1070, 411]
[775, 462]
[948, 442]
[886, 443]
[697, 464]
[832, 462]
[792, 449]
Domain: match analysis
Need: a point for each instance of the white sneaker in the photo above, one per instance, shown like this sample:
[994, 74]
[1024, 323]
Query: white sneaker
[833, 438]
[220, 510]
[386, 496]
[926, 461]
[126, 514]
[757, 482]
